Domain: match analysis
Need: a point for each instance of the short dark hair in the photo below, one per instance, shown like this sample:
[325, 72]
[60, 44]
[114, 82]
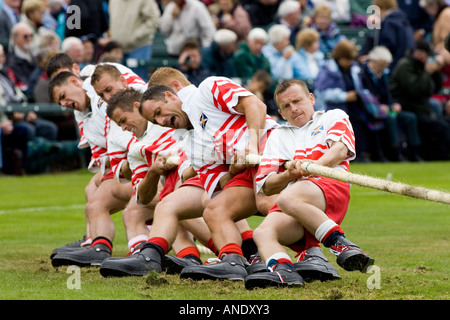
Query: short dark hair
[57, 62]
[155, 92]
[58, 80]
[284, 85]
[123, 100]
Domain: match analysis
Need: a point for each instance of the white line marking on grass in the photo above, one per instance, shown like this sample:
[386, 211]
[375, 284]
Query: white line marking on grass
[46, 208]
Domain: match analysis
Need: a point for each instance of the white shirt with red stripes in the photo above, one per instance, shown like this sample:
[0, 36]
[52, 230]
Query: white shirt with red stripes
[311, 142]
[219, 131]
[119, 142]
[156, 141]
[94, 125]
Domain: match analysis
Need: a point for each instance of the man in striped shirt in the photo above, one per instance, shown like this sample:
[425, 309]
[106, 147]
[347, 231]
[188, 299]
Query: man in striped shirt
[307, 205]
[226, 122]
[109, 146]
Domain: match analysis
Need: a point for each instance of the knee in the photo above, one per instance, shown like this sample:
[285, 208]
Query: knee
[210, 216]
[284, 200]
[260, 233]
[165, 208]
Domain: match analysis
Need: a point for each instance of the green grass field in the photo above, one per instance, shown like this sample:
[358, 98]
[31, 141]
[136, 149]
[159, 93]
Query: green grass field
[409, 239]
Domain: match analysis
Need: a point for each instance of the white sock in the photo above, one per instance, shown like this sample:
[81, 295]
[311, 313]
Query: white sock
[323, 229]
[278, 256]
[136, 240]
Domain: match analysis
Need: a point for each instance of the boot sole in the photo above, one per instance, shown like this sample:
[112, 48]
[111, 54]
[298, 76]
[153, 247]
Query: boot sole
[197, 276]
[356, 261]
[107, 272]
[311, 275]
[58, 262]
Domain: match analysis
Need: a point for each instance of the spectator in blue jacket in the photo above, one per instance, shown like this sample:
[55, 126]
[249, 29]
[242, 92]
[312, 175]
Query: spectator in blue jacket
[283, 59]
[329, 32]
[338, 86]
[310, 57]
[399, 123]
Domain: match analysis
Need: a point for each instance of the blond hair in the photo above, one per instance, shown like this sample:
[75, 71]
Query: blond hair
[165, 75]
[306, 37]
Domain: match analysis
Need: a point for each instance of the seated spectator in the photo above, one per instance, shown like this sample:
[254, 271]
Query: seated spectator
[249, 57]
[114, 49]
[260, 85]
[338, 86]
[412, 85]
[289, 14]
[49, 40]
[20, 59]
[395, 32]
[9, 17]
[439, 10]
[186, 19]
[40, 91]
[218, 57]
[74, 48]
[32, 14]
[310, 57]
[329, 32]
[262, 12]
[375, 77]
[89, 50]
[36, 126]
[190, 62]
[14, 146]
[307, 13]
[9, 92]
[281, 54]
[340, 9]
[232, 16]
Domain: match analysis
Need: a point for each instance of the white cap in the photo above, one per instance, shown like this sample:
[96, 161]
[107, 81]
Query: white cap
[224, 36]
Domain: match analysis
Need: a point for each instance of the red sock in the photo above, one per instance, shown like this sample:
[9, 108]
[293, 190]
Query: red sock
[231, 248]
[161, 242]
[102, 240]
[189, 251]
[247, 235]
[212, 247]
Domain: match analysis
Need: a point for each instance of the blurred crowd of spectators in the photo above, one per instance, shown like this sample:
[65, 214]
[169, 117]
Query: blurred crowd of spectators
[391, 86]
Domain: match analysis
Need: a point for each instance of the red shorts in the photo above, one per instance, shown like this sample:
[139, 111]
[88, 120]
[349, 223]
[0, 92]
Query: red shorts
[170, 184]
[243, 179]
[337, 196]
[194, 181]
[108, 175]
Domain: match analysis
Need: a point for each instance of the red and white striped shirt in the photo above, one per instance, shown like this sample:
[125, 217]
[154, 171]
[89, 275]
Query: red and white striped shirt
[219, 131]
[311, 142]
[94, 125]
[156, 141]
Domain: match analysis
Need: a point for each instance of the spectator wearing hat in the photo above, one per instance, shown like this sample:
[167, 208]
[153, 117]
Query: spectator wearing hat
[289, 14]
[249, 57]
[218, 57]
